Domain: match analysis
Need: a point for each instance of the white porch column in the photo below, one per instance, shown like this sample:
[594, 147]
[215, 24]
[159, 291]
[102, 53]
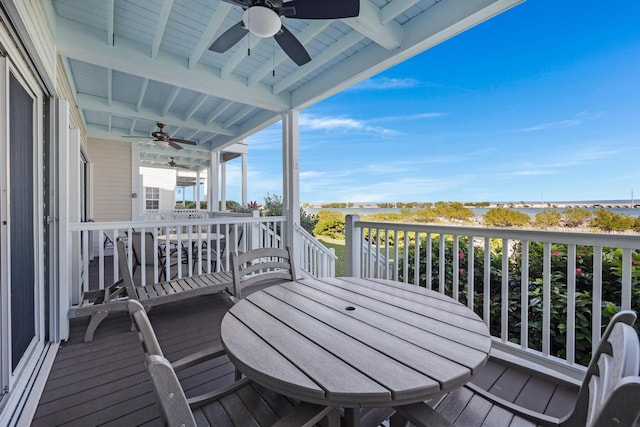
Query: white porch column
[197, 190]
[291, 176]
[223, 185]
[212, 193]
[244, 179]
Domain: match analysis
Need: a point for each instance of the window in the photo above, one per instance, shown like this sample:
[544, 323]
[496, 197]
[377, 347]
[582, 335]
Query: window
[152, 198]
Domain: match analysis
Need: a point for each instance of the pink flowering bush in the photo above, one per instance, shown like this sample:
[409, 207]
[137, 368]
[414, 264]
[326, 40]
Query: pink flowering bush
[559, 277]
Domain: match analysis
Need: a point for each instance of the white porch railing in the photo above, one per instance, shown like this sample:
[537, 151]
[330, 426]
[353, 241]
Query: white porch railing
[314, 258]
[547, 300]
[94, 263]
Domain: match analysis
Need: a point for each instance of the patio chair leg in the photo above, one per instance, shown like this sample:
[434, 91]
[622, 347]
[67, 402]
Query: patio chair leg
[94, 322]
[331, 420]
[397, 420]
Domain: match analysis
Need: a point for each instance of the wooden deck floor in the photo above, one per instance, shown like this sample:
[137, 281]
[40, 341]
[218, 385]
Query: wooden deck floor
[104, 383]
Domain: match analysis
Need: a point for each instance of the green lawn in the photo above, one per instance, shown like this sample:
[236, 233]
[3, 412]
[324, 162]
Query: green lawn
[338, 246]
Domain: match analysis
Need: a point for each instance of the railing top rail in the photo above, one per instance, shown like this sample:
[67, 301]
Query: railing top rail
[89, 226]
[625, 241]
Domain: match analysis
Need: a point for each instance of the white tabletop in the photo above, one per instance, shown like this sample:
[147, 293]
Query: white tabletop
[352, 342]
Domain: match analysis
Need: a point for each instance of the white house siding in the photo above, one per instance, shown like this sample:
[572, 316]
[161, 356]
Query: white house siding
[165, 180]
[65, 91]
[112, 179]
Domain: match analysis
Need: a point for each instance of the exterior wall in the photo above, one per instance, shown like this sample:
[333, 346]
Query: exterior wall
[65, 91]
[165, 179]
[111, 178]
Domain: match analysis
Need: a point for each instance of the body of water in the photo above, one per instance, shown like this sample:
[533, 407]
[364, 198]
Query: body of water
[635, 212]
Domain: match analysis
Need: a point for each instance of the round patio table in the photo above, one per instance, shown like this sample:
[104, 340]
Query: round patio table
[351, 342]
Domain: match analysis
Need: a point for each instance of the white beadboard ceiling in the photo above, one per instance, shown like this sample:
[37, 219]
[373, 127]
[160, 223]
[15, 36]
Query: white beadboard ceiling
[137, 62]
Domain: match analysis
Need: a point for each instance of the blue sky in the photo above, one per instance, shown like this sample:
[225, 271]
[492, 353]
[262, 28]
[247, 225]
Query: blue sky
[539, 103]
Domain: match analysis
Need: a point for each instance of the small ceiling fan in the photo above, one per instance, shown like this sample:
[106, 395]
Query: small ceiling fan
[160, 136]
[173, 164]
[262, 18]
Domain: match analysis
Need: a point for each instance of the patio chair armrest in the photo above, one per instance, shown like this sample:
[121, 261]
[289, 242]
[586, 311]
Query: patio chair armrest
[198, 357]
[536, 417]
[307, 415]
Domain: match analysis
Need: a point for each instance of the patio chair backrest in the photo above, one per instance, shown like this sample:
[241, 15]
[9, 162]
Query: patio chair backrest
[169, 393]
[611, 387]
[260, 266]
[150, 249]
[123, 265]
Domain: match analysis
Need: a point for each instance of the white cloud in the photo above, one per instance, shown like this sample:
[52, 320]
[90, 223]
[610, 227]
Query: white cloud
[580, 118]
[384, 83]
[553, 125]
[407, 117]
[341, 124]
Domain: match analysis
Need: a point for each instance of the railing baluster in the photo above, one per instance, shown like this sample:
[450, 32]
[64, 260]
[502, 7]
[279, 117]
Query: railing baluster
[429, 261]
[470, 273]
[396, 254]
[416, 261]
[405, 256]
[486, 292]
[456, 266]
[441, 264]
[546, 299]
[596, 306]
[571, 304]
[626, 279]
[524, 297]
[85, 260]
[101, 233]
[504, 293]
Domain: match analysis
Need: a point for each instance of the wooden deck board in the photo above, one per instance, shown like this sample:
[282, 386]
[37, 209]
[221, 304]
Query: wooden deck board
[104, 382]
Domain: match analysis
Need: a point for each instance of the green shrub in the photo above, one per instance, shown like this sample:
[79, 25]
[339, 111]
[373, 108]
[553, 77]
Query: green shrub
[273, 207]
[502, 217]
[307, 221]
[547, 219]
[610, 221]
[425, 215]
[330, 226]
[576, 217]
[453, 210]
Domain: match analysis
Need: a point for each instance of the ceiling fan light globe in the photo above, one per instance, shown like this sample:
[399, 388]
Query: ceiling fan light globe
[262, 21]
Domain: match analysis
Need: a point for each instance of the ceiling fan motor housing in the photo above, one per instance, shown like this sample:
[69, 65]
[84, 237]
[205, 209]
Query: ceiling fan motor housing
[262, 21]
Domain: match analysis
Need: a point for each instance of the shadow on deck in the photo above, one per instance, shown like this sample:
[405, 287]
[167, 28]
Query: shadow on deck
[105, 382]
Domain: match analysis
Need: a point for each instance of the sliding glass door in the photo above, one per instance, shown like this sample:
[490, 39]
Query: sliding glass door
[21, 249]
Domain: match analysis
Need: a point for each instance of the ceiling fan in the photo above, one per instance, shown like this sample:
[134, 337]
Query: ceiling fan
[262, 18]
[162, 137]
[173, 164]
